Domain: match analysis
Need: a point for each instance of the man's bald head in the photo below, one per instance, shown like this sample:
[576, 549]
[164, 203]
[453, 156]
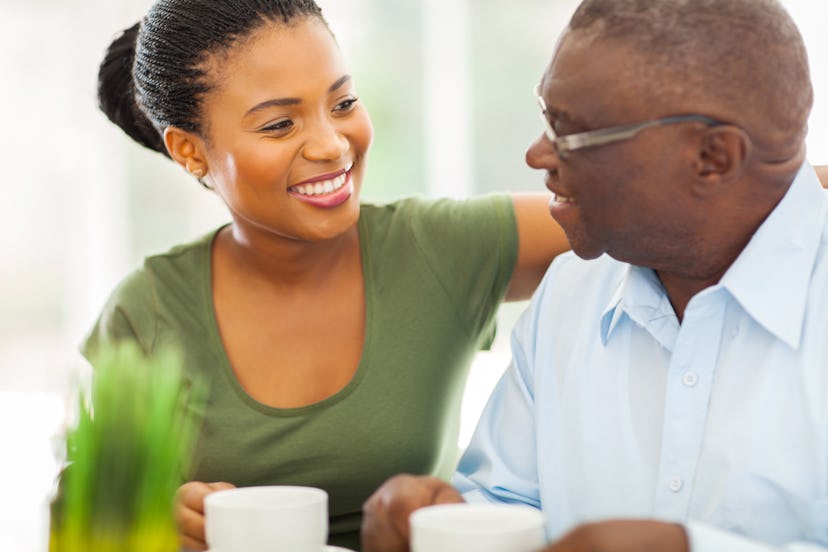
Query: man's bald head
[743, 60]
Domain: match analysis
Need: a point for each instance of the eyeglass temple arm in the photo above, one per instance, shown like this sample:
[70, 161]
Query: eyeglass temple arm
[623, 132]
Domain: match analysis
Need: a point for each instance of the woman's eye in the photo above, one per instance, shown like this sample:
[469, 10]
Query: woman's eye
[346, 105]
[279, 126]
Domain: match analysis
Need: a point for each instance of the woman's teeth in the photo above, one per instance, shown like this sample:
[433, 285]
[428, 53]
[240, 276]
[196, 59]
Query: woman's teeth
[562, 199]
[321, 188]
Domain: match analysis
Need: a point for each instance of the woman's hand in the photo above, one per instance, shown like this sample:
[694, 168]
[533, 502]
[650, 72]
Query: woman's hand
[189, 512]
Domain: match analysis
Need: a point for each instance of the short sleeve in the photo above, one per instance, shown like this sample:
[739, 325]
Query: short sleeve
[130, 313]
[471, 246]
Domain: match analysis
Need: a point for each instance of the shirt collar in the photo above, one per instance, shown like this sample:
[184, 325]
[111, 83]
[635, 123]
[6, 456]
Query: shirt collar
[769, 279]
[641, 297]
[771, 276]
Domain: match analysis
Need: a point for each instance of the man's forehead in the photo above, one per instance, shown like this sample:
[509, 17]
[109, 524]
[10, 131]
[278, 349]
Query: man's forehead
[593, 70]
[580, 59]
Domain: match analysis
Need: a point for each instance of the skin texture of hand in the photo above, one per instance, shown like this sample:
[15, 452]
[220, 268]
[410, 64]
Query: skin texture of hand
[385, 525]
[189, 512]
[623, 536]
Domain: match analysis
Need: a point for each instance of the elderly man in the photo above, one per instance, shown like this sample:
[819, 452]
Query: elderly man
[672, 393]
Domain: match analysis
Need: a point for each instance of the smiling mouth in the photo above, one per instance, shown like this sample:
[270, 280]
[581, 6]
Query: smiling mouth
[322, 187]
[557, 198]
[552, 182]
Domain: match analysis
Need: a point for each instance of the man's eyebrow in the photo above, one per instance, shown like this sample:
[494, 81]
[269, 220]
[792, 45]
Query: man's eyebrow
[281, 102]
[557, 115]
[562, 116]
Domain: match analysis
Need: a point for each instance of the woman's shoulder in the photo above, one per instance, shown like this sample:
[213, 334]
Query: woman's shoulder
[437, 210]
[175, 271]
[163, 283]
[194, 252]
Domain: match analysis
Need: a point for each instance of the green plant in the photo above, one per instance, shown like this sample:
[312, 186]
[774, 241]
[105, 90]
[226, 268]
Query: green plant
[126, 455]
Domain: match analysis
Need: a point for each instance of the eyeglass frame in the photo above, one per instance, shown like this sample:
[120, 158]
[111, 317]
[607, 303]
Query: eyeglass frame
[602, 136]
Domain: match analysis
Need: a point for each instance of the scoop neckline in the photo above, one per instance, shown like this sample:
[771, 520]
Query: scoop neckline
[227, 369]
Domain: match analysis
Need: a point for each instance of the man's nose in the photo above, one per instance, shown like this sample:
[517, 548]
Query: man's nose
[541, 154]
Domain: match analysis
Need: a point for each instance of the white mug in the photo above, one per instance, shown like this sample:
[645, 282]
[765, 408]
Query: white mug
[264, 519]
[476, 528]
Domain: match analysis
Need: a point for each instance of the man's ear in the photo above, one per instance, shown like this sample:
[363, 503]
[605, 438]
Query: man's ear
[721, 157]
[186, 149]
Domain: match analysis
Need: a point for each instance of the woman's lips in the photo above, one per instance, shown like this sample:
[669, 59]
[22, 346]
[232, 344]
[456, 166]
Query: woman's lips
[325, 177]
[325, 192]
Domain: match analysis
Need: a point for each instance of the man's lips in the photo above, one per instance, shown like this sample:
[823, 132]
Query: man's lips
[558, 196]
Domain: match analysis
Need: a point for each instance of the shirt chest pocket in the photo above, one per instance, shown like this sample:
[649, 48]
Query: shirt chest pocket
[760, 508]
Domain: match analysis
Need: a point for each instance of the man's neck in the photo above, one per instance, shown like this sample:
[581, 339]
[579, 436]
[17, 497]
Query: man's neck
[728, 233]
[681, 289]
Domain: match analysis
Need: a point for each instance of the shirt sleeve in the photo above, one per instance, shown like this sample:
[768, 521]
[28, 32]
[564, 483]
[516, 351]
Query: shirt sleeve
[130, 313]
[471, 247]
[500, 464]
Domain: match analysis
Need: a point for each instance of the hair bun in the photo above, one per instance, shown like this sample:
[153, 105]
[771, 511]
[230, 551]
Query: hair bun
[116, 92]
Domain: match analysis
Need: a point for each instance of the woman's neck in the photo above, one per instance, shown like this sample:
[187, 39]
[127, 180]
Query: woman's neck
[286, 262]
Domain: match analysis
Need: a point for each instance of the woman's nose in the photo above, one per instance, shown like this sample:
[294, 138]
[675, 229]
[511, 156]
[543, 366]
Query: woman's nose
[325, 142]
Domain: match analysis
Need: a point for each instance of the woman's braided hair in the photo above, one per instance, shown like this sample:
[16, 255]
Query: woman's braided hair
[153, 74]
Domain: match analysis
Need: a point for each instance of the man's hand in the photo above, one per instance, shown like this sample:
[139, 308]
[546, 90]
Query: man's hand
[624, 536]
[385, 514]
[189, 512]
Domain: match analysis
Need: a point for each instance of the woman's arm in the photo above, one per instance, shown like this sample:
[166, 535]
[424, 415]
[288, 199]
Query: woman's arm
[540, 240]
[822, 173]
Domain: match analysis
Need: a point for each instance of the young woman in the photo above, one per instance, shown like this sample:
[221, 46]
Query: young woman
[335, 336]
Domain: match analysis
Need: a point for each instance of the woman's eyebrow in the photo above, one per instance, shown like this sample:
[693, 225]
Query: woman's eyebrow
[276, 102]
[339, 82]
[281, 102]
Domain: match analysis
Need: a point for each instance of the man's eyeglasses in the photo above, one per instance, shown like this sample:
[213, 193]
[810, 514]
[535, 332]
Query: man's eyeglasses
[599, 137]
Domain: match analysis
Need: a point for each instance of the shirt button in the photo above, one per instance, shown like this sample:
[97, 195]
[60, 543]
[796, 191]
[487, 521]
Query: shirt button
[690, 379]
[675, 484]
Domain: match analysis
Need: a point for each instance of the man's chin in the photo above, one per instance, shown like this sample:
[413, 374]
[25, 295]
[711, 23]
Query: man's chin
[586, 251]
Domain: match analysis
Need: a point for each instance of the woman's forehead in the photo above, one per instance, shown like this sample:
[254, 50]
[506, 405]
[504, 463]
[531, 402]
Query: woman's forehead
[276, 50]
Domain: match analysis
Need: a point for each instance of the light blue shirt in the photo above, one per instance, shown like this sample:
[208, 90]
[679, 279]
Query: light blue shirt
[612, 409]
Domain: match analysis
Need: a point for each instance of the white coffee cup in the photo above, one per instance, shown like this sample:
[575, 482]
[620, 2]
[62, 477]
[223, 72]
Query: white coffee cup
[476, 528]
[264, 519]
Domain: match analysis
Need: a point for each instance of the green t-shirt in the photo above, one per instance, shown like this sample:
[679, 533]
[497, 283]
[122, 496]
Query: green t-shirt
[435, 272]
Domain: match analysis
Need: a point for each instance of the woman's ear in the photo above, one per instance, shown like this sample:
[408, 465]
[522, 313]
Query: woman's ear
[186, 149]
[722, 156]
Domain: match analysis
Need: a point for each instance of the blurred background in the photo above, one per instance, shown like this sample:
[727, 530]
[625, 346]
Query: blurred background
[448, 85]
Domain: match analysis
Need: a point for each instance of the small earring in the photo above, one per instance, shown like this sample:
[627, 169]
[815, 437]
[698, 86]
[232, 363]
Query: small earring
[198, 173]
